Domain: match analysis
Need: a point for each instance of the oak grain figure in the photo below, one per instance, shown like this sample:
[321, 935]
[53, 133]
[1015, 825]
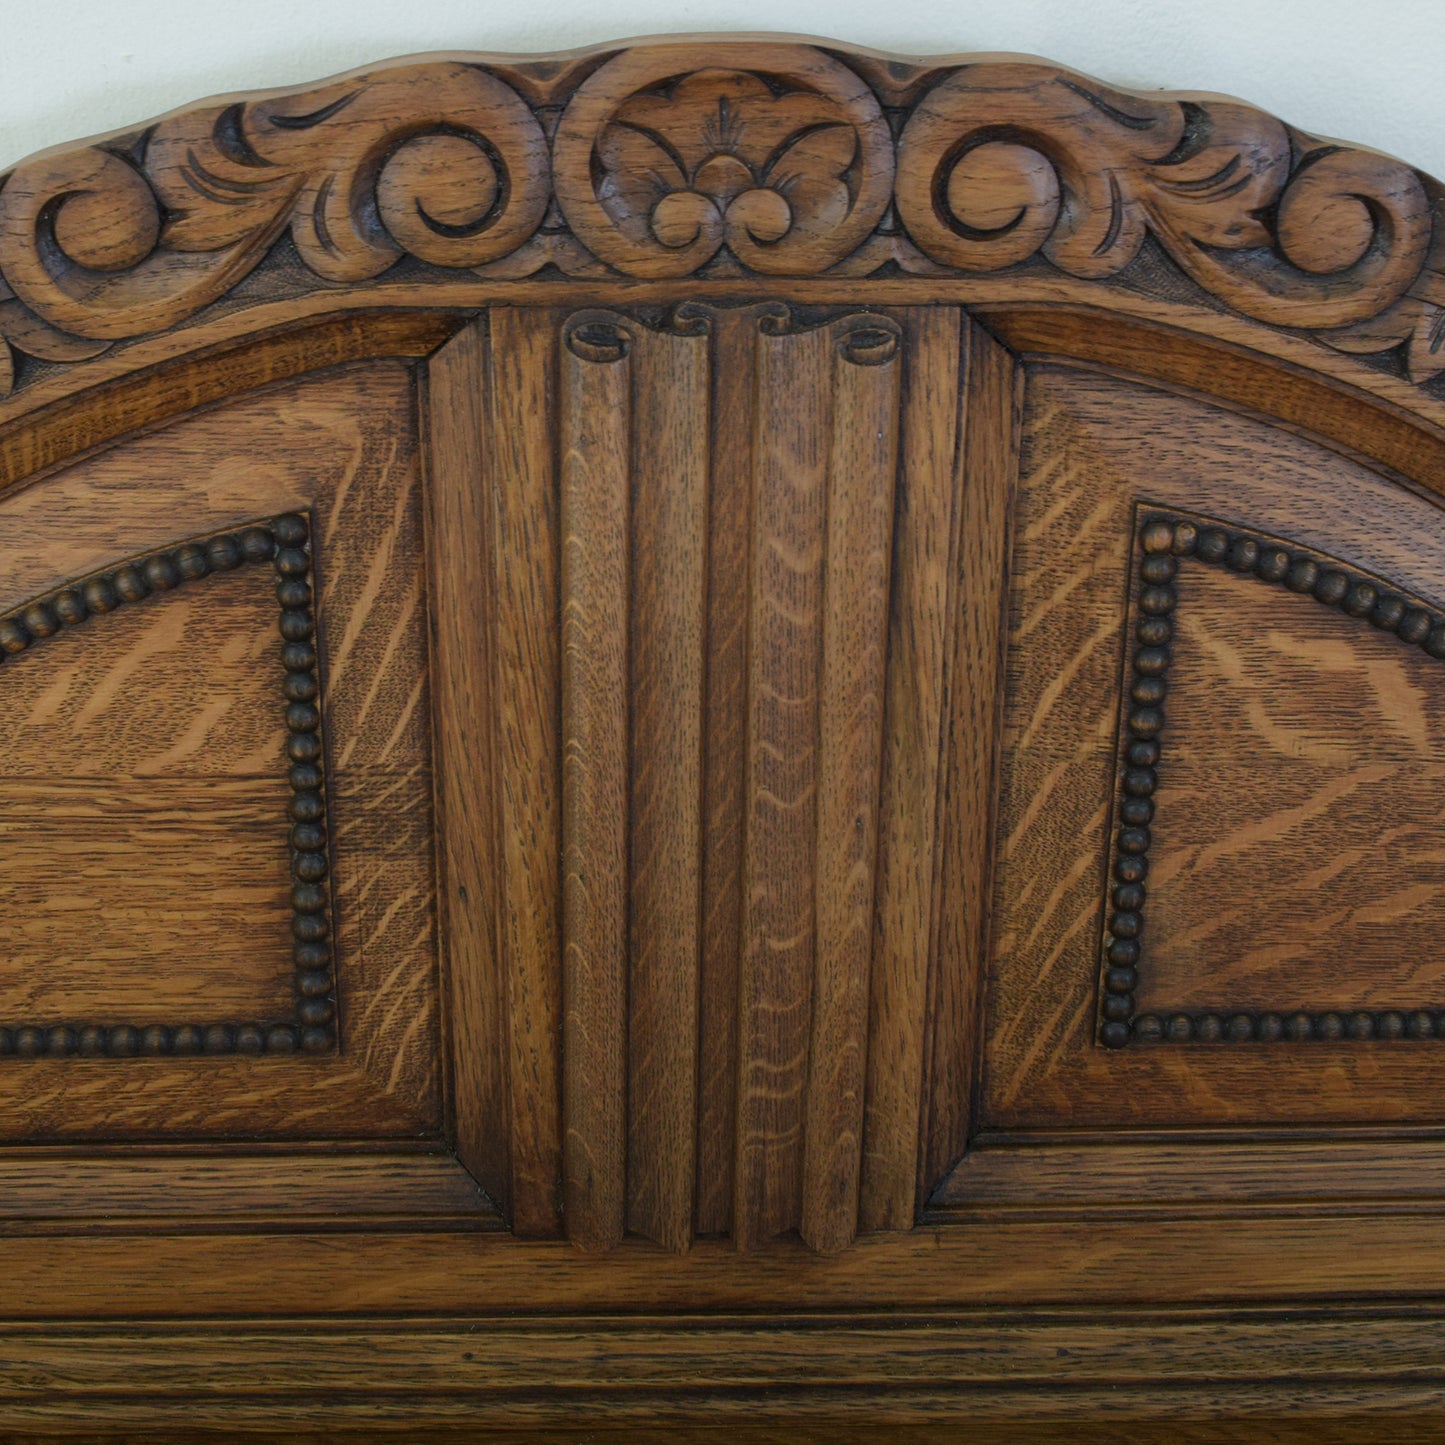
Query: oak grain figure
[843, 827]
[284, 543]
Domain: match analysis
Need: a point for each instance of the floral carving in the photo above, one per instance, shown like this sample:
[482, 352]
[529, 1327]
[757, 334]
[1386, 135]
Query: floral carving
[788, 167]
[712, 159]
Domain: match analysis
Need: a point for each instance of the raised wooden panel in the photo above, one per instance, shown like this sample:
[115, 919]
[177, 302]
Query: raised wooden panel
[1293, 882]
[217, 842]
[149, 881]
[864, 743]
[1292, 791]
[729, 635]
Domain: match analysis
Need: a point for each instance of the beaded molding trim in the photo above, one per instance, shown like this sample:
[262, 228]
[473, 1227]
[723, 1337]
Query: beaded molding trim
[285, 543]
[1163, 539]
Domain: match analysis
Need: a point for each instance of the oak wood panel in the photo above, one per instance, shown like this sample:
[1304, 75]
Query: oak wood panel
[1284, 1256]
[134, 901]
[925, 519]
[341, 446]
[195, 1189]
[1314, 879]
[1083, 472]
[985, 474]
[184, 684]
[643, 177]
[916, 1368]
[518, 470]
[732, 441]
[464, 682]
[671, 423]
[594, 431]
[1138, 1374]
[188, 377]
[858, 542]
[1030, 1175]
[1288, 393]
[790, 452]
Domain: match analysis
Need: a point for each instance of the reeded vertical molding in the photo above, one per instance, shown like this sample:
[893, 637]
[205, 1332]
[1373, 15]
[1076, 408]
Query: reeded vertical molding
[670, 437]
[862, 469]
[791, 444]
[519, 473]
[596, 426]
[734, 389]
[710, 695]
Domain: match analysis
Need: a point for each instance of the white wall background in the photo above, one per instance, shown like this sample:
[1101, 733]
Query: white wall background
[1369, 71]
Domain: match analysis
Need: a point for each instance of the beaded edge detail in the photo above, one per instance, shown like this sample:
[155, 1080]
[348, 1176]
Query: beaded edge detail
[1163, 539]
[284, 542]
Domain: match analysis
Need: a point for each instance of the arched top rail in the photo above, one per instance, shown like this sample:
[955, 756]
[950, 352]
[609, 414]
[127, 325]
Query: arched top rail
[709, 161]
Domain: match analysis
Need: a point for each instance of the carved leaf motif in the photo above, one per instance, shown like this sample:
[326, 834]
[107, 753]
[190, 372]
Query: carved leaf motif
[443, 162]
[1425, 356]
[1002, 161]
[669, 159]
[788, 167]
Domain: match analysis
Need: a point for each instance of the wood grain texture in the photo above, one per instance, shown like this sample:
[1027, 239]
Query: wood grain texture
[862, 475]
[1082, 473]
[195, 1190]
[919, 628]
[177, 685]
[776, 957]
[667, 639]
[155, 901]
[1290, 1258]
[987, 478]
[1313, 879]
[732, 441]
[1032, 1175]
[464, 682]
[518, 470]
[595, 424]
[343, 448]
[916, 1377]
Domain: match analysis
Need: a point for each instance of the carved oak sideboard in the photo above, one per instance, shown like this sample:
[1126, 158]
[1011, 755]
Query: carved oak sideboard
[720, 732]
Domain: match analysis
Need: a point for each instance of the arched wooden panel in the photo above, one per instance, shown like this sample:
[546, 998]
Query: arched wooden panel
[874, 660]
[1276, 866]
[217, 787]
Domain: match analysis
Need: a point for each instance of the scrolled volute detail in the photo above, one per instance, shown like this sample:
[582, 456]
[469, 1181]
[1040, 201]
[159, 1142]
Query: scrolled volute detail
[717, 159]
[1000, 162]
[777, 153]
[441, 161]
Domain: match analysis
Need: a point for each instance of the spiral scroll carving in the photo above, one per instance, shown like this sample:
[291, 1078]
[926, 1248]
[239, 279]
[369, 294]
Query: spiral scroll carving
[711, 160]
[443, 162]
[1006, 161]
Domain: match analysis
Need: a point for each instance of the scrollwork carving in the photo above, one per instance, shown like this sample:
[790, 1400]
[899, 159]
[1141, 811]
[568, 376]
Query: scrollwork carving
[1002, 162]
[443, 162]
[713, 159]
